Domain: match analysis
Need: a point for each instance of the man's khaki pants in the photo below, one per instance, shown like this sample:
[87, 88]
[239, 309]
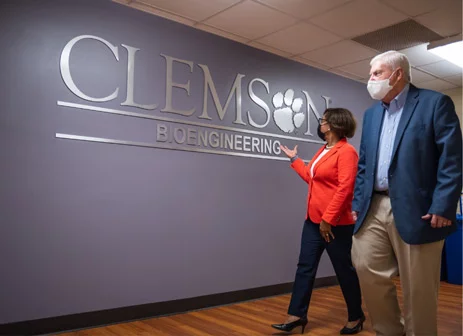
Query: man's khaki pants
[379, 254]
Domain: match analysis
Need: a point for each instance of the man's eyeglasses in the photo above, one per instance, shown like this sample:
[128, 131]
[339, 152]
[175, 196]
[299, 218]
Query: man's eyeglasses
[322, 121]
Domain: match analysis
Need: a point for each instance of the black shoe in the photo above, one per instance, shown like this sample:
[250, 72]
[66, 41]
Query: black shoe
[354, 330]
[290, 326]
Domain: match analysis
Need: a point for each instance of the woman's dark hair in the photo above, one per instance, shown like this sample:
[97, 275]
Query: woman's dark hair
[341, 121]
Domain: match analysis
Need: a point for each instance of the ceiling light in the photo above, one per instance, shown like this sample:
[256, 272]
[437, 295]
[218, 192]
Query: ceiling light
[450, 49]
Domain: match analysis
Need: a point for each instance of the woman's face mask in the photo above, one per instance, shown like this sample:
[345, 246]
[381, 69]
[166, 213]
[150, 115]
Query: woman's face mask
[321, 134]
[380, 88]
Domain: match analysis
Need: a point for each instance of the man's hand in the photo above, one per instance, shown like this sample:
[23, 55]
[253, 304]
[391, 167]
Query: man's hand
[325, 231]
[354, 215]
[437, 221]
[289, 153]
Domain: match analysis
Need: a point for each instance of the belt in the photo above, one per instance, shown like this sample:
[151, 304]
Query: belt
[382, 192]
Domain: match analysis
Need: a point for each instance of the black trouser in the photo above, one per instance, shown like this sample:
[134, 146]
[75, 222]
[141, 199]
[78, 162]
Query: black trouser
[312, 247]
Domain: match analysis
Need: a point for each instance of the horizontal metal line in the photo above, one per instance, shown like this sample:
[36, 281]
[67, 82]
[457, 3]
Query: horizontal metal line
[184, 122]
[151, 145]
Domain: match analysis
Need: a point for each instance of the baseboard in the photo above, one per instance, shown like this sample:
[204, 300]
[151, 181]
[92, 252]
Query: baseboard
[125, 314]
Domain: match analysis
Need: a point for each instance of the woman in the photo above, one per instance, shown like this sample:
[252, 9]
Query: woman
[329, 223]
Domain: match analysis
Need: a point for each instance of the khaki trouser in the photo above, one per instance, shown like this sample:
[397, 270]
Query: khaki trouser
[379, 254]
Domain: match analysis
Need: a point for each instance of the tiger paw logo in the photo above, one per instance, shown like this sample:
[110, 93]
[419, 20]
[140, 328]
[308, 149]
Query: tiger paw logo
[287, 113]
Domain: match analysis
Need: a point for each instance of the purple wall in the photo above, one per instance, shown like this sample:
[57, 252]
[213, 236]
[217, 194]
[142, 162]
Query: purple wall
[91, 226]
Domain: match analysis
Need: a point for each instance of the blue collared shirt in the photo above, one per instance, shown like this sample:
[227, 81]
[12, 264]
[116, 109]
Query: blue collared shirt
[392, 114]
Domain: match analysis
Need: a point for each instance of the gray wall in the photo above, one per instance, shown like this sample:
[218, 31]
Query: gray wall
[91, 226]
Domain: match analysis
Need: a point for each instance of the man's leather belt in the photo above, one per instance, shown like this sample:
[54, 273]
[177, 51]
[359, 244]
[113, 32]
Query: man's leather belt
[382, 192]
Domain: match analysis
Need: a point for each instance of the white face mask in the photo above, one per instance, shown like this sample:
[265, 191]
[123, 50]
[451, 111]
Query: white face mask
[380, 88]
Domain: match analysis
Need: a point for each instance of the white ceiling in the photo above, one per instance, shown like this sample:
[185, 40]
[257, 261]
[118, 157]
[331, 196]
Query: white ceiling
[319, 32]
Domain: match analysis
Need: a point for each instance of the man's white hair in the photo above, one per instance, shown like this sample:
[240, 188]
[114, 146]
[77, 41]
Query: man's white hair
[394, 59]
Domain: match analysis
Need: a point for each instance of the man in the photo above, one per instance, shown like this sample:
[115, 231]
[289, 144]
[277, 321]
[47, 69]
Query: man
[408, 184]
